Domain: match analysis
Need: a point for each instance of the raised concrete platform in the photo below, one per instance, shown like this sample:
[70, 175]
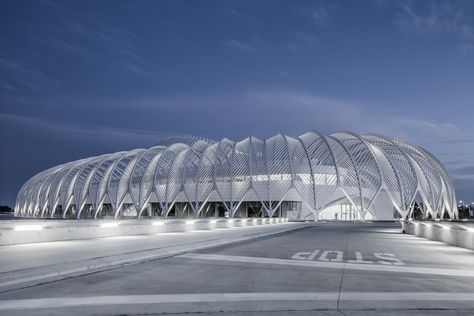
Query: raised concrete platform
[323, 268]
[30, 264]
[460, 234]
[29, 231]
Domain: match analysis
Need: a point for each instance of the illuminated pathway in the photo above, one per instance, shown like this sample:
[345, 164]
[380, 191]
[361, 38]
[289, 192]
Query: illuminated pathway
[337, 269]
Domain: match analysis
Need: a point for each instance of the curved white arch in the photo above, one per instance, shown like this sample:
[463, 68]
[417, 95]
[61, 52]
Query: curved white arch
[319, 169]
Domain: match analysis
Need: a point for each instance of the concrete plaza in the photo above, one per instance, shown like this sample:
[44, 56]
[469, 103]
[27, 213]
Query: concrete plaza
[281, 269]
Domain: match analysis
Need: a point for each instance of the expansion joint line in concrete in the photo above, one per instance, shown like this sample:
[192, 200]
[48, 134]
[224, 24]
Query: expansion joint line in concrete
[343, 269]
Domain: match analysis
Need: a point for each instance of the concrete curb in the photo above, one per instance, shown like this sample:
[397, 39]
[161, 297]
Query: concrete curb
[18, 279]
[452, 233]
[14, 232]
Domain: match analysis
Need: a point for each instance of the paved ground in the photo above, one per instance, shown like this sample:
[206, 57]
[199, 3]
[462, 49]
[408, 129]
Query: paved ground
[26, 256]
[334, 269]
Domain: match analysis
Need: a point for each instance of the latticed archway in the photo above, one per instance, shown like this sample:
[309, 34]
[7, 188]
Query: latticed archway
[191, 171]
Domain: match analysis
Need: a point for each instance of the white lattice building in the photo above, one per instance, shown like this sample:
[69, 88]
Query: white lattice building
[340, 176]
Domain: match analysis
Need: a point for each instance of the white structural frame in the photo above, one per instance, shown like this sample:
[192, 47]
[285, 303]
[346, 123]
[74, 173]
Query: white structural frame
[321, 169]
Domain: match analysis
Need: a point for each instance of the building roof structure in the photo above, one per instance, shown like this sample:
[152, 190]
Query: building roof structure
[319, 168]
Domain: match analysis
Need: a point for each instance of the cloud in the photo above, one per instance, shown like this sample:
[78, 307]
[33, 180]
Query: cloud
[71, 141]
[460, 140]
[317, 17]
[239, 46]
[62, 38]
[240, 16]
[431, 19]
[291, 112]
[96, 40]
[464, 171]
[30, 145]
[436, 17]
[53, 140]
[302, 41]
[320, 16]
[19, 75]
[66, 130]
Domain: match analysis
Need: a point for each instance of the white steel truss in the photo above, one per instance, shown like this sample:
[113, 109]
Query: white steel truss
[321, 169]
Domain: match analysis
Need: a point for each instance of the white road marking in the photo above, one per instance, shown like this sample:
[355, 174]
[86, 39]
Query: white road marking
[301, 255]
[62, 302]
[331, 265]
[313, 255]
[387, 258]
[324, 256]
[359, 259]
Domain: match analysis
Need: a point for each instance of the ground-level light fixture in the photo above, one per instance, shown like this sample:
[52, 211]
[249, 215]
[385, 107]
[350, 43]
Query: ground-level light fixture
[28, 227]
[109, 225]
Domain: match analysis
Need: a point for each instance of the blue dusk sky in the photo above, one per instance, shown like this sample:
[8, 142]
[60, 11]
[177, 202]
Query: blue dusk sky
[83, 78]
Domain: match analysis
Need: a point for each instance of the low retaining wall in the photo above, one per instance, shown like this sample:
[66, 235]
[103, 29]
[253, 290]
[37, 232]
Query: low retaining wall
[454, 233]
[31, 231]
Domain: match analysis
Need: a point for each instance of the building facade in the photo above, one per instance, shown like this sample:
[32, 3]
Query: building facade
[341, 176]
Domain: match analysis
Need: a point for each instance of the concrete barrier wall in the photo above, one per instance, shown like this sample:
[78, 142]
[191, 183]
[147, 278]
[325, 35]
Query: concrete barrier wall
[453, 233]
[32, 231]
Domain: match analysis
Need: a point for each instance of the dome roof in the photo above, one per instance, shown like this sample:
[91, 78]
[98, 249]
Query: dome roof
[320, 168]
